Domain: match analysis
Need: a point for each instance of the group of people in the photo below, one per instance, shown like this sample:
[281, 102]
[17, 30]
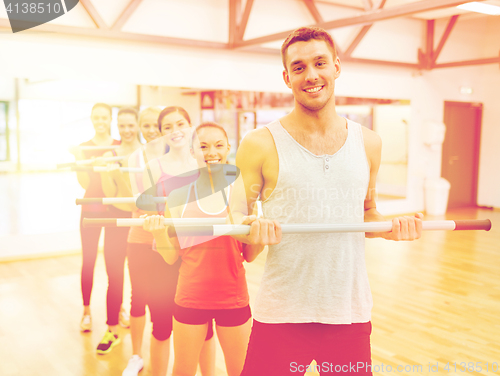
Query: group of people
[314, 300]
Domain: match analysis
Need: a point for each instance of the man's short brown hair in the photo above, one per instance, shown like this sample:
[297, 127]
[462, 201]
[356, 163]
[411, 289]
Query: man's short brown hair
[304, 34]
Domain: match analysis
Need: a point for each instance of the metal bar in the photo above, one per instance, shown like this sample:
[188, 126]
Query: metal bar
[244, 19]
[94, 14]
[126, 14]
[138, 222]
[366, 18]
[444, 38]
[85, 162]
[314, 11]
[218, 226]
[308, 228]
[120, 200]
[98, 147]
[135, 170]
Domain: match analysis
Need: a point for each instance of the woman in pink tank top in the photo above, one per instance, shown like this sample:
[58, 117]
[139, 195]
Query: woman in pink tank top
[168, 172]
[212, 282]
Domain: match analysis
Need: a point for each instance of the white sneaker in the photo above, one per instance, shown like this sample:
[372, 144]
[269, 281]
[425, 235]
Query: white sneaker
[86, 323]
[134, 366]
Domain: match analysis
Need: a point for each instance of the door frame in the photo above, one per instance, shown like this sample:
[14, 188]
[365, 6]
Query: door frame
[477, 144]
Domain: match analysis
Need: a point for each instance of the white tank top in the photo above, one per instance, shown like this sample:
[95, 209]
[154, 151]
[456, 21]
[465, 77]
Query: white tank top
[318, 278]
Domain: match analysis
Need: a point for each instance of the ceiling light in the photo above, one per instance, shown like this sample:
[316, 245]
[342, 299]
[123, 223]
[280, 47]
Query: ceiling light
[492, 10]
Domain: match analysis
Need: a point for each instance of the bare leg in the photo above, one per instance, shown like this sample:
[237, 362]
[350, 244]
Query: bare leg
[234, 343]
[160, 352]
[207, 358]
[137, 325]
[113, 328]
[86, 310]
[188, 342]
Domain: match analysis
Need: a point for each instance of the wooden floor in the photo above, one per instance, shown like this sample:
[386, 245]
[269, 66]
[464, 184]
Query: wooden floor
[436, 301]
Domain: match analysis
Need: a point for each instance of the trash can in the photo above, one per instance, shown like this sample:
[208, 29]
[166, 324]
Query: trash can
[436, 196]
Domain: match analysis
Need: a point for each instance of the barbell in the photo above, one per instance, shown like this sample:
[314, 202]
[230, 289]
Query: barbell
[218, 226]
[97, 147]
[134, 170]
[84, 162]
[118, 200]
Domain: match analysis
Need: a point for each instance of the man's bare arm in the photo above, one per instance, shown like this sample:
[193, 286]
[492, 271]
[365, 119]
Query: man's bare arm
[403, 228]
[250, 159]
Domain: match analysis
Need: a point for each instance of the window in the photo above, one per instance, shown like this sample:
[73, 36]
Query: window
[4, 132]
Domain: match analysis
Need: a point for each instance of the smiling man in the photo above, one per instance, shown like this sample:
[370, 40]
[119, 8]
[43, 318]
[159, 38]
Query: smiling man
[312, 166]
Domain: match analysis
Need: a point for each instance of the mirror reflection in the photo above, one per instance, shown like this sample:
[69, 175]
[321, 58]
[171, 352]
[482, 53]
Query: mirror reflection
[64, 107]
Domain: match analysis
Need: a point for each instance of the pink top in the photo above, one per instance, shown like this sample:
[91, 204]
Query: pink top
[211, 274]
[94, 189]
[166, 184]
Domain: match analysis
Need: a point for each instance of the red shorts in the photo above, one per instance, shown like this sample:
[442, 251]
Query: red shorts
[288, 349]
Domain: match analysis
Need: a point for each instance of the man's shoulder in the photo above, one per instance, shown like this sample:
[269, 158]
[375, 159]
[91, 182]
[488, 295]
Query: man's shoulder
[371, 138]
[256, 147]
[373, 145]
[258, 138]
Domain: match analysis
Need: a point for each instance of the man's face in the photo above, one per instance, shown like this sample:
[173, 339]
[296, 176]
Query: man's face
[311, 73]
[101, 119]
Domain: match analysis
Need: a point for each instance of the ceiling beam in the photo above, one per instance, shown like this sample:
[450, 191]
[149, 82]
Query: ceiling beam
[244, 19]
[444, 38]
[367, 18]
[131, 37]
[314, 11]
[234, 12]
[115, 35]
[361, 34]
[429, 48]
[425, 59]
[381, 62]
[357, 40]
[466, 63]
[340, 5]
[368, 4]
[126, 14]
[94, 14]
